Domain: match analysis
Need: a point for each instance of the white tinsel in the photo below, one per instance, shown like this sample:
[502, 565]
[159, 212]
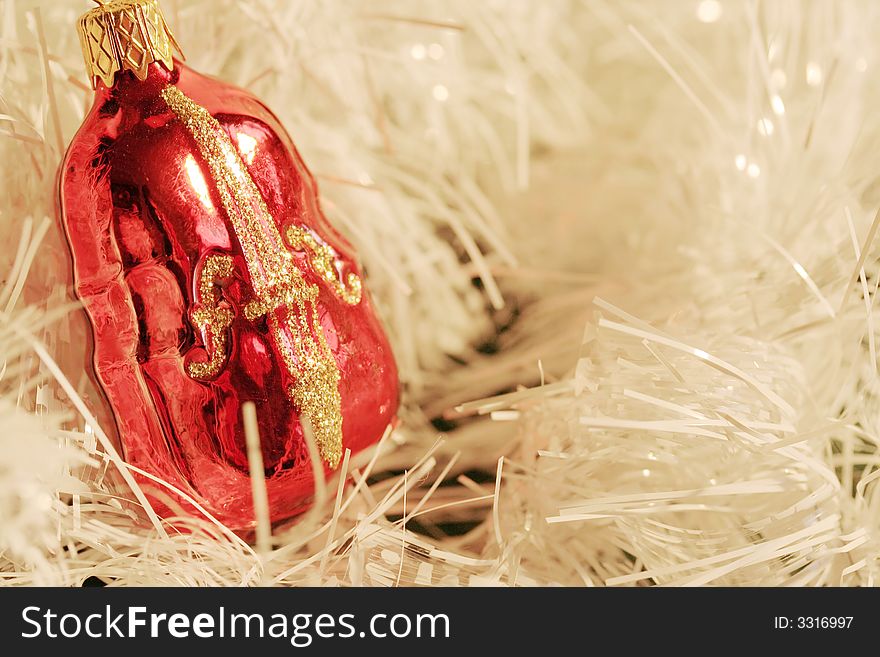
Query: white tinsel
[667, 371]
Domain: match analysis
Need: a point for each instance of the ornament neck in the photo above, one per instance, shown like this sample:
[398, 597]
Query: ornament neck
[128, 89]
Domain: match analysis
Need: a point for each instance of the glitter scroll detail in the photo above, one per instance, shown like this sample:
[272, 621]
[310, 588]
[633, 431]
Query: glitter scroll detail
[280, 293]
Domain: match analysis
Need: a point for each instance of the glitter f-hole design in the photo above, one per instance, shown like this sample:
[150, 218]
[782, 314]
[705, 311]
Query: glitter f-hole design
[210, 318]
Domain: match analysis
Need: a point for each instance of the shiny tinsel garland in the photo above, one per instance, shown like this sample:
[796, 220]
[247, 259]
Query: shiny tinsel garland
[667, 372]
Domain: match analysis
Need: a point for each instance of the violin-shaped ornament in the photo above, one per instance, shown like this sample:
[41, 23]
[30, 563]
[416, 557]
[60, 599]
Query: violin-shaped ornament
[211, 278]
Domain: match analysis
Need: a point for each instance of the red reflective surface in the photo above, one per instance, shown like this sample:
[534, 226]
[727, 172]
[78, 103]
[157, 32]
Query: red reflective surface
[142, 214]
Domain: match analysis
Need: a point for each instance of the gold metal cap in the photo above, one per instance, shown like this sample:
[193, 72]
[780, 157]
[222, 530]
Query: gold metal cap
[125, 35]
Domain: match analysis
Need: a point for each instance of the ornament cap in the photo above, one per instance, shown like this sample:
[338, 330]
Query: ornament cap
[126, 35]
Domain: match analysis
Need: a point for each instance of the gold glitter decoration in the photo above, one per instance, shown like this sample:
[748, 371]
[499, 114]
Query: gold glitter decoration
[125, 35]
[279, 298]
[314, 366]
[209, 318]
[277, 285]
[323, 261]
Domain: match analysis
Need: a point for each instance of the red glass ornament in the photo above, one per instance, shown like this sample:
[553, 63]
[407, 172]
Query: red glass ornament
[168, 281]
